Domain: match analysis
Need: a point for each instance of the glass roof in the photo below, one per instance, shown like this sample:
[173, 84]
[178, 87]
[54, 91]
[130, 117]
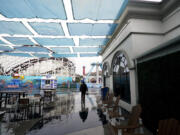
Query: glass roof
[40, 55]
[55, 41]
[57, 28]
[32, 49]
[89, 55]
[1, 42]
[18, 54]
[5, 48]
[54, 29]
[80, 29]
[98, 9]
[86, 49]
[46, 9]
[13, 28]
[93, 41]
[64, 55]
[19, 40]
[61, 49]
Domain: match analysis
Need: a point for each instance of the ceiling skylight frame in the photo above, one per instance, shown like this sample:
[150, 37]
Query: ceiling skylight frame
[68, 7]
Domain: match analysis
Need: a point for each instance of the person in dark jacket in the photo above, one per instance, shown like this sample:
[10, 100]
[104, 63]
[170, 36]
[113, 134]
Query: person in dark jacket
[83, 89]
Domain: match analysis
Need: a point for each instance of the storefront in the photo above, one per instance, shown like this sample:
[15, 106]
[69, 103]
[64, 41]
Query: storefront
[144, 60]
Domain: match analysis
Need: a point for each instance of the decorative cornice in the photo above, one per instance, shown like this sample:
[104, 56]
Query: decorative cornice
[140, 10]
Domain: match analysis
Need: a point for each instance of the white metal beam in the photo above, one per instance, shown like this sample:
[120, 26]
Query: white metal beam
[76, 41]
[65, 29]
[2, 18]
[68, 9]
[26, 24]
[46, 36]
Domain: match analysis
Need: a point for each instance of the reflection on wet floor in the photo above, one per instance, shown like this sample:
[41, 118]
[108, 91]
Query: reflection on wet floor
[63, 114]
[66, 115]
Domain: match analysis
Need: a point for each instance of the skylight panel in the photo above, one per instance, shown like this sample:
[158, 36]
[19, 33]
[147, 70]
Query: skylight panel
[61, 49]
[64, 55]
[86, 49]
[40, 55]
[89, 55]
[46, 9]
[5, 48]
[1, 42]
[19, 54]
[19, 40]
[93, 41]
[98, 9]
[53, 29]
[80, 29]
[32, 49]
[55, 41]
[13, 28]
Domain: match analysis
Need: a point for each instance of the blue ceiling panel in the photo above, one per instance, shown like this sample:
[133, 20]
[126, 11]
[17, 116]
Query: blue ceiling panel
[42, 20]
[64, 55]
[5, 48]
[86, 49]
[19, 40]
[89, 55]
[53, 29]
[32, 49]
[100, 29]
[33, 9]
[19, 54]
[1, 42]
[93, 41]
[39, 55]
[60, 49]
[13, 28]
[98, 9]
[55, 41]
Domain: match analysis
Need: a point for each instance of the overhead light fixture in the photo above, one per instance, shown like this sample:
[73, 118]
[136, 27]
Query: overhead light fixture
[154, 1]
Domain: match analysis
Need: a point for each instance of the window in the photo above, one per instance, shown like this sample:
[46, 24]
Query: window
[121, 82]
[47, 81]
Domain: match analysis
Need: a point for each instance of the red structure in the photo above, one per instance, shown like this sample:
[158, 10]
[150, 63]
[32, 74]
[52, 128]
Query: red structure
[84, 72]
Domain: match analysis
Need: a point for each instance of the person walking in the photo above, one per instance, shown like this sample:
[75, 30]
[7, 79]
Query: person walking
[83, 89]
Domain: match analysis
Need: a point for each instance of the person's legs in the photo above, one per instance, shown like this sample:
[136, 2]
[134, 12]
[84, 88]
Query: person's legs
[83, 97]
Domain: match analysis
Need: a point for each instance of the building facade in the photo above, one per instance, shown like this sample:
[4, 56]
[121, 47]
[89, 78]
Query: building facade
[143, 56]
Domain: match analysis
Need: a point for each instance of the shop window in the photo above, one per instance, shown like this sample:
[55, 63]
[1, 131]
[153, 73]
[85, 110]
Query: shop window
[121, 83]
[47, 82]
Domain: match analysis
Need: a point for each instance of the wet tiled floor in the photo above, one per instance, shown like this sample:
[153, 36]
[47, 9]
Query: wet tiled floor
[67, 115]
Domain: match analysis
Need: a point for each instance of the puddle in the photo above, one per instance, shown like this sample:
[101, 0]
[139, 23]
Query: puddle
[67, 114]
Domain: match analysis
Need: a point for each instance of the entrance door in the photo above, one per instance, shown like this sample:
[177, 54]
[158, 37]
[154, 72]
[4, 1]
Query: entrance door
[159, 89]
